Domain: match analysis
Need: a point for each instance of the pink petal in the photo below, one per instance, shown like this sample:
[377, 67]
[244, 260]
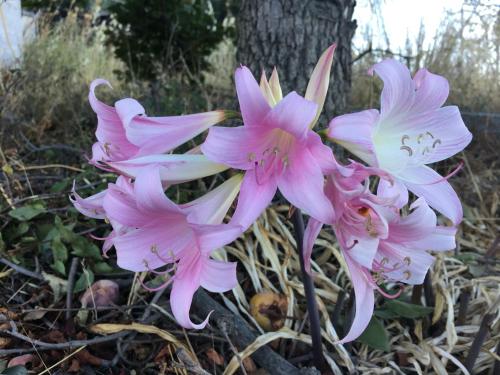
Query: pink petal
[174, 168]
[186, 283]
[156, 135]
[110, 131]
[253, 199]
[253, 105]
[365, 300]
[445, 134]
[362, 251]
[213, 237]
[432, 90]
[218, 277]
[321, 153]
[409, 266]
[90, 206]
[441, 239]
[354, 132]
[122, 208]
[150, 196]
[127, 109]
[418, 224]
[212, 207]
[237, 147]
[422, 181]
[152, 246]
[292, 114]
[386, 190]
[310, 234]
[398, 94]
[317, 87]
[302, 184]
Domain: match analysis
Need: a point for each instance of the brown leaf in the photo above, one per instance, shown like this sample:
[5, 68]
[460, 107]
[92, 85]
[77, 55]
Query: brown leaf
[4, 341]
[21, 360]
[249, 364]
[101, 293]
[215, 357]
[85, 357]
[75, 366]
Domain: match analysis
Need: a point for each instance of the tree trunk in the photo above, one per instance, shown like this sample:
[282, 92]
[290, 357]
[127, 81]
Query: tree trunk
[291, 35]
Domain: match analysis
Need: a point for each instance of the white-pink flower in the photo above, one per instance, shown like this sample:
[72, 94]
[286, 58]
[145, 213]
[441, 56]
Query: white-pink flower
[411, 130]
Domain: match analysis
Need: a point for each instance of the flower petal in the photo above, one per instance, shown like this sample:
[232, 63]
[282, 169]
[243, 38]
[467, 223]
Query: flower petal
[321, 153]
[418, 224]
[156, 135]
[213, 237]
[354, 132]
[302, 184]
[387, 190]
[266, 90]
[122, 208]
[274, 83]
[90, 206]
[152, 246]
[398, 94]
[186, 283]
[432, 90]
[218, 277]
[212, 207]
[310, 234]
[237, 147]
[150, 196]
[365, 300]
[423, 182]
[253, 199]
[292, 114]
[317, 87]
[253, 105]
[441, 239]
[174, 168]
[408, 266]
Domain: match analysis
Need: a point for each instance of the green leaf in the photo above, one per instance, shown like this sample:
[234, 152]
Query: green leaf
[103, 267]
[2, 244]
[27, 212]
[85, 249]
[375, 335]
[407, 310]
[59, 267]
[59, 250]
[15, 370]
[84, 281]
[59, 186]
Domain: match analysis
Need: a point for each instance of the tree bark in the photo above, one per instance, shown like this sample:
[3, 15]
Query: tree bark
[291, 35]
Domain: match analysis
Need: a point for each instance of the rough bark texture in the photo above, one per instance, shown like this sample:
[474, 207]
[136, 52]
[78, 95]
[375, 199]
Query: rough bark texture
[291, 35]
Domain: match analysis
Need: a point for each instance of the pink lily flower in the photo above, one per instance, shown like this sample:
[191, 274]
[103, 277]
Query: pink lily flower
[411, 131]
[276, 148]
[377, 243]
[161, 233]
[125, 132]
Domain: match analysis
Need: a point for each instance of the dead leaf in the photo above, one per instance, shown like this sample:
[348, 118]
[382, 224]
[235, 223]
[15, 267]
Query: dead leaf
[249, 365]
[21, 360]
[4, 341]
[215, 357]
[100, 294]
[35, 315]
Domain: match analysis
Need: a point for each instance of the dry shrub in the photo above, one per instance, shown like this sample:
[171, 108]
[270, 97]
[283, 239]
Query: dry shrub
[48, 94]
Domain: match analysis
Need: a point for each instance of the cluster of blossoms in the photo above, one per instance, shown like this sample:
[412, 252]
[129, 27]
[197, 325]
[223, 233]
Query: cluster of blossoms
[383, 238]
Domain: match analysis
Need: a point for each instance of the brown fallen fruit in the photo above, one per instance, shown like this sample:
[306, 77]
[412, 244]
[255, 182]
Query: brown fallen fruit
[269, 310]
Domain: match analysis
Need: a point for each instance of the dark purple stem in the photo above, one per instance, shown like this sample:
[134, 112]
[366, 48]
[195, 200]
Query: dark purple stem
[312, 307]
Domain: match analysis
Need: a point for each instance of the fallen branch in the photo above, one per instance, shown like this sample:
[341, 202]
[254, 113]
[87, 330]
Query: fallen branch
[243, 335]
